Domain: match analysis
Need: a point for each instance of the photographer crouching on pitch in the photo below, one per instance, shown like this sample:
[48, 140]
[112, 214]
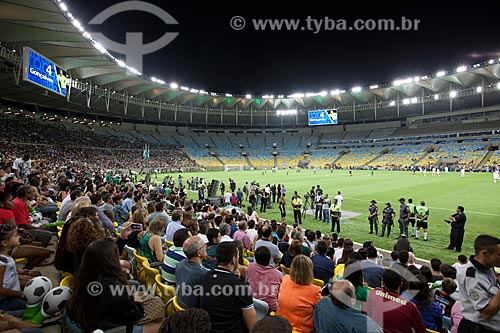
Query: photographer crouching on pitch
[457, 222]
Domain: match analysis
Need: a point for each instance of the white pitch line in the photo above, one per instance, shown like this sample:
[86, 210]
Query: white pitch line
[438, 208]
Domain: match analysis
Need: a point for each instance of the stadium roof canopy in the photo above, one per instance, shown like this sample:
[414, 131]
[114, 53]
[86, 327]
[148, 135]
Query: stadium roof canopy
[101, 84]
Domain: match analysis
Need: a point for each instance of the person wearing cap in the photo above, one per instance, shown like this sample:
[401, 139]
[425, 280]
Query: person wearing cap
[388, 215]
[404, 216]
[373, 216]
[337, 314]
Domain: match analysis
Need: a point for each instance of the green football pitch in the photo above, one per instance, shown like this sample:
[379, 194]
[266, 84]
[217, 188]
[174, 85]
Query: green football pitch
[476, 192]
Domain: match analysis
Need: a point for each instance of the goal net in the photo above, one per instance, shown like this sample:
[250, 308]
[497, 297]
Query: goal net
[234, 167]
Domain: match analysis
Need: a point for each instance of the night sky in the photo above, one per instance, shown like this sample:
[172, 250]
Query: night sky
[207, 54]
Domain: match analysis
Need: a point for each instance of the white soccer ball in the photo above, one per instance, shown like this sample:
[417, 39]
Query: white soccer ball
[36, 289]
[36, 217]
[56, 300]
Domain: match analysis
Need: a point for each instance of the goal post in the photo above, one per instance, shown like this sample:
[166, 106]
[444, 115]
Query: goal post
[234, 167]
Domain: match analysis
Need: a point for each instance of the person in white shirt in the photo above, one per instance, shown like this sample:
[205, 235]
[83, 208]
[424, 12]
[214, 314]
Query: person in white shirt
[495, 175]
[251, 232]
[176, 224]
[460, 266]
[339, 199]
[225, 230]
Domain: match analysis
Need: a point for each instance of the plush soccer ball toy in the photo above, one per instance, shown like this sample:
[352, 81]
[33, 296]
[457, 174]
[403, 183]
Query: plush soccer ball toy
[53, 302]
[56, 299]
[36, 289]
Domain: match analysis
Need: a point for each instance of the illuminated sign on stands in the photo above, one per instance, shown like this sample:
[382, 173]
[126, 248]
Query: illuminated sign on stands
[322, 117]
[39, 70]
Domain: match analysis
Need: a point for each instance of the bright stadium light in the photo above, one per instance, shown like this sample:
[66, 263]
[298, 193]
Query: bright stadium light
[414, 100]
[436, 97]
[491, 61]
[174, 85]
[479, 89]
[461, 69]
[100, 48]
[392, 103]
[498, 85]
[375, 86]
[281, 96]
[416, 79]
[356, 89]
[400, 82]
[406, 101]
[453, 94]
[229, 95]
[192, 90]
[323, 93]
[185, 88]
[87, 35]
[63, 6]
[335, 92]
[248, 96]
[440, 73]
[286, 112]
[77, 24]
[297, 95]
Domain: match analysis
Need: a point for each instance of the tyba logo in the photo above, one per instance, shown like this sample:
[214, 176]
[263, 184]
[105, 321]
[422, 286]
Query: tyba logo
[134, 49]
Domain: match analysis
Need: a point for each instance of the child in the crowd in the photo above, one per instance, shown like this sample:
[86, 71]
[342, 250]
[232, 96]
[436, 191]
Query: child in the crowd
[11, 296]
[443, 296]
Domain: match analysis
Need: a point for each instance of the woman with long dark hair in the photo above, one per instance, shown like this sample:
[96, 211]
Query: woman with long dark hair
[105, 309]
[418, 292]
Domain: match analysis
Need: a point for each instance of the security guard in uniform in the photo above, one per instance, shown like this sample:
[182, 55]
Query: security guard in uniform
[480, 290]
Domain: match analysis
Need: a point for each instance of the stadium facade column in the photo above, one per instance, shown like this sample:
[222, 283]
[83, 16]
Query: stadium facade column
[354, 109]
[159, 108]
[375, 108]
[397, 103]
[107, 99]
[206, 114]
[482, 92]
[423, 104]
[451, 99]
[221, 114]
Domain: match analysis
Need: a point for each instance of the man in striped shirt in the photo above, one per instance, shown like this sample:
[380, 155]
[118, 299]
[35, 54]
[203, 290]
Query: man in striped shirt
[174, 256]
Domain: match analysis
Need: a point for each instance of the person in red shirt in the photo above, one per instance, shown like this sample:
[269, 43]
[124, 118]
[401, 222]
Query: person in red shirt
[392, 312]
[25, 194]
[35, 254]
[6, 214]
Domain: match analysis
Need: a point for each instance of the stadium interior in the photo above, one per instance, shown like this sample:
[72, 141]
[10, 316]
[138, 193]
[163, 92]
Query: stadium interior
[110, 112]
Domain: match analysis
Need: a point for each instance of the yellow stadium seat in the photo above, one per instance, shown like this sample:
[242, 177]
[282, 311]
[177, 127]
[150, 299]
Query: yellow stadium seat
[172, 306]
[319, 283]
[140, 262]
[165, 292]
[285, 269]
[150, 275]
[67, 281]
